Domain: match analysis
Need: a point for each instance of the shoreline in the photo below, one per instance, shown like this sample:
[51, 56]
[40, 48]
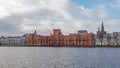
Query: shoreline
[103, 46]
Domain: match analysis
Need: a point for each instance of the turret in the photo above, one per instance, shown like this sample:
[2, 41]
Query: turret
[35, 33]
[98, 32]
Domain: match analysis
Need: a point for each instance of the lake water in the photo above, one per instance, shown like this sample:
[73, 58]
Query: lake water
[48, 57]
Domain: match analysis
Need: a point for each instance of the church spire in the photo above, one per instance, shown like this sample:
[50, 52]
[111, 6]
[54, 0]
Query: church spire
[102, 27]
[35, 33]
[101, 32]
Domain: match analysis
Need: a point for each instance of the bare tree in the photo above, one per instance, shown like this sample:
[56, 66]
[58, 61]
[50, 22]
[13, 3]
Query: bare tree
[108, 39]
[116, 35]
[93, 39]
[101, 40]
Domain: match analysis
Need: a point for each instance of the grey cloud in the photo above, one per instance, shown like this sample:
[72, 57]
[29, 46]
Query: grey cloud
[42, 14]
[45, 19]
[13, 22]
[10, 23]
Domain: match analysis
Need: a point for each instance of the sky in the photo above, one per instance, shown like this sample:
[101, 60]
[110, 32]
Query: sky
[18, 17]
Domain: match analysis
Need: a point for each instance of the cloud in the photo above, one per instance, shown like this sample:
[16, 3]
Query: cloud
[24, 16]
[115, 5]
[23, 6]
[58, 7]
[86, 11]
[3, 12]
[112, 25]
[98, 11]
[102, 12]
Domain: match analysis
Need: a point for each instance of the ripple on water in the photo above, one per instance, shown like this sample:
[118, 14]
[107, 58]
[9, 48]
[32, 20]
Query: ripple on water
[59, 58]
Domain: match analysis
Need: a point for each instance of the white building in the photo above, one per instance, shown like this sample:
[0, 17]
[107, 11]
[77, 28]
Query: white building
[12, 41]
[109, 39]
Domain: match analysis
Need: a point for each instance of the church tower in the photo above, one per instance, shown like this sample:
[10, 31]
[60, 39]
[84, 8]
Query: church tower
[101, 32]
[98, 33]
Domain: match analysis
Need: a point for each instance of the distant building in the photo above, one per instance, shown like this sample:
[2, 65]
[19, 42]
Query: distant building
[73, 34]
[82, 32]
[107, 39]
[13, 41]
[58, 39]
[100, 35]
[101, 32]
[116, 36]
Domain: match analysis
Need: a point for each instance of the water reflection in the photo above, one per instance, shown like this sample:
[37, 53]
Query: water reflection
[40, 57]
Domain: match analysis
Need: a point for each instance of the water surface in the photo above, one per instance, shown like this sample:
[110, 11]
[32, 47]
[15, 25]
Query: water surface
[48, 57]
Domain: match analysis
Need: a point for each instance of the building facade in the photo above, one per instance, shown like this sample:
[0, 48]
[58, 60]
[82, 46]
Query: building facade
[59, 39]
[13, 41]
[107, 39]
[102, 32]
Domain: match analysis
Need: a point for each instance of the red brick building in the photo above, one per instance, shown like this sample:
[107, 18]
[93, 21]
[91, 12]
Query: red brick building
[58, 39]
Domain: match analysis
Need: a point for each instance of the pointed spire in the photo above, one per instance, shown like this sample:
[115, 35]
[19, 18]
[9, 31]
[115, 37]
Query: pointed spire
[102, 24]
[35, 33]
[102, 27]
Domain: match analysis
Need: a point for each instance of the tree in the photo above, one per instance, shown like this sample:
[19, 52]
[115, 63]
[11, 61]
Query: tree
[108, 39]
[116, 35]
[101, 40]
[93, 38]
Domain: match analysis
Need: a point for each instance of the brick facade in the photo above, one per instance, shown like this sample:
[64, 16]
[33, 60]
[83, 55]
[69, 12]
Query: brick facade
[58, 39]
